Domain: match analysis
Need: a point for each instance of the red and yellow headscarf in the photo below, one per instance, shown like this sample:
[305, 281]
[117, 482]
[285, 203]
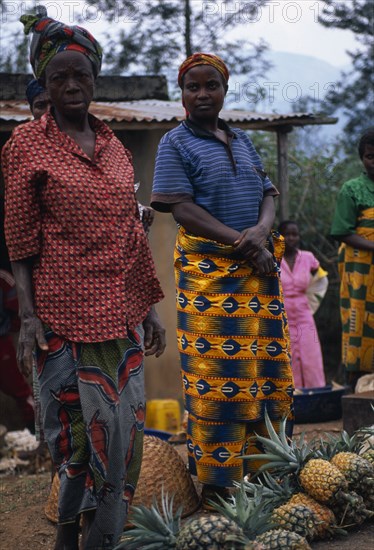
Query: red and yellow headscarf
[200, 58]
[51, 37]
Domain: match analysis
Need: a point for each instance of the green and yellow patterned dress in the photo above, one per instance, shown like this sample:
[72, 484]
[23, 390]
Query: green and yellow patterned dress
[355, 214]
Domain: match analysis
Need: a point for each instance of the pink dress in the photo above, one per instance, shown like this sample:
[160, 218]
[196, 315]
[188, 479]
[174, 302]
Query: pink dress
[307, 363]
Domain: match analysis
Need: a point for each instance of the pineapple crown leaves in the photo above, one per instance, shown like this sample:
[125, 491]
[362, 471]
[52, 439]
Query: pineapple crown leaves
[250, 514]
[367, 430]
[325, 447]
[274, 491]
[281, 453]
[155, 529]
[330, 444]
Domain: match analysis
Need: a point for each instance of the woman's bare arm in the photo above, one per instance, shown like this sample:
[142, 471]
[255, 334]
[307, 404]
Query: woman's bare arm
[198, 221]
[357, 241]
[31, 330]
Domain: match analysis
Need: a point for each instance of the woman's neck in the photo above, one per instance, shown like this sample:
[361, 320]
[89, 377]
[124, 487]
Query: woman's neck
[290, 253]
[211, 125]
[80, 131]
[72, 125]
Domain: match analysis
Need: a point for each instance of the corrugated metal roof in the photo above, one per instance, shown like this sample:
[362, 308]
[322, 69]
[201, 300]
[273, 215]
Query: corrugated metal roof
[157, 111]
[15, 110]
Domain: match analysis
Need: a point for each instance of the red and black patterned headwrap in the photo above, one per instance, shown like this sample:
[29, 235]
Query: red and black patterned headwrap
[201, 58]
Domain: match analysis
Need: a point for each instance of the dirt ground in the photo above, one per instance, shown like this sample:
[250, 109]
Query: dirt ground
[23, 525]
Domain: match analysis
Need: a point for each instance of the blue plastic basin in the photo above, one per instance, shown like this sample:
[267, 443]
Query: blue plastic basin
[318, 404]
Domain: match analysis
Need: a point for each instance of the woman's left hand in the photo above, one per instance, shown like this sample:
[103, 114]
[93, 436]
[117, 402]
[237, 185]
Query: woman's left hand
[154, 334]
[251, 241]
[264, 262]
[148, 215]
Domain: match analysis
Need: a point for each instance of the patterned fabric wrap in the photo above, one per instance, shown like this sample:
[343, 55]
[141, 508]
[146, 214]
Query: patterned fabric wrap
[356, 268]
[234, 346]
[33, 89]
[51, 37]
[214, 449]
[92, 400]
[39, 432]
[203, 59]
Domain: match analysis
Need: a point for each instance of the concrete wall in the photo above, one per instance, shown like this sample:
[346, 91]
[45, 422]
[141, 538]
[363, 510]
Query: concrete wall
[107, 87]
[163, 378]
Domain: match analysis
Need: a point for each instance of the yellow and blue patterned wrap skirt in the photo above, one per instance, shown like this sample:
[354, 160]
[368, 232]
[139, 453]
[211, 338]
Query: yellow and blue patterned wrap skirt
[235, 355]
[356, 269]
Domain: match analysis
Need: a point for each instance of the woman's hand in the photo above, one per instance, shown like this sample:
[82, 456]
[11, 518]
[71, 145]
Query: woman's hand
[263, 262]
[154, 334]
[251, 241]
[31, 332]
[148, 215]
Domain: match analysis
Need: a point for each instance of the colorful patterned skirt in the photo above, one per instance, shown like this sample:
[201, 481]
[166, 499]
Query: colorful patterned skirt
[356, 268]
[92, 405]
[234, 347]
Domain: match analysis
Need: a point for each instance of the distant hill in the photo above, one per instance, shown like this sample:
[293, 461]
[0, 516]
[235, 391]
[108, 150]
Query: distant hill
[292, 77]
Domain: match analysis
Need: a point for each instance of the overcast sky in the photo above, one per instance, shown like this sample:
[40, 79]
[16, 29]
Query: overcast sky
[286, 25]
[293, 27]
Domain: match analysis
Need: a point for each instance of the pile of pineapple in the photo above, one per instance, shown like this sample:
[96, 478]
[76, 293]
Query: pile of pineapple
[303, 492]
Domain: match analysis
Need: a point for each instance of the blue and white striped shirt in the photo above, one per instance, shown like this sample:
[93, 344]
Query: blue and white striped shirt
[192, 165]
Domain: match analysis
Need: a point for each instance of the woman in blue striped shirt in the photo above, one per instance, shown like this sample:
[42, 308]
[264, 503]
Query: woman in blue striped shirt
[232, 333]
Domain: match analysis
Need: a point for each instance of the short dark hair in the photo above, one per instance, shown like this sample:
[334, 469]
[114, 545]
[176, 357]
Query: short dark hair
[366, 139]
[284, 224]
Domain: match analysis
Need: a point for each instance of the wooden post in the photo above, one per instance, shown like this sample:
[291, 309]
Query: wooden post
[283, 182]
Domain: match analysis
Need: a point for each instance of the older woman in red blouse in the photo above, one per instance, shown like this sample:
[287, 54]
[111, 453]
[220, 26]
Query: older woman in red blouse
[86, 285]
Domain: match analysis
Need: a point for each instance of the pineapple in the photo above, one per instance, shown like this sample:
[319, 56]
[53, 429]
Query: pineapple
[297, 518]
[260, 526]
[359, 473]
[211, 532]
[369, 456]
[325, 524]
[278, 539]
[161, 530]
[343, 451]
[351, 515]
[284, 514]
[322, 480]
[318, 477]
[282, 491]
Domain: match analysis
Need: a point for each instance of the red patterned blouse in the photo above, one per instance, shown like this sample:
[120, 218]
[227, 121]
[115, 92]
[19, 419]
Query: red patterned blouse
[94, 275]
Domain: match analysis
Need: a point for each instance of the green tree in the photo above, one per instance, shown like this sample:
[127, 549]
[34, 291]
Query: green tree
[14, 57]
[161, 33]
[14, 45]
[354, 93]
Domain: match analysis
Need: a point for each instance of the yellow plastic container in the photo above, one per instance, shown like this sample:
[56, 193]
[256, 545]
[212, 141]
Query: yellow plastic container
[163, 414]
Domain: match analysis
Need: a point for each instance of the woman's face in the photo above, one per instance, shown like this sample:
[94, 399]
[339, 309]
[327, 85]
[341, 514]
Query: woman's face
[40, 105]
[368, 160]
[291, 236]
[69, 81]
[203, 93]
